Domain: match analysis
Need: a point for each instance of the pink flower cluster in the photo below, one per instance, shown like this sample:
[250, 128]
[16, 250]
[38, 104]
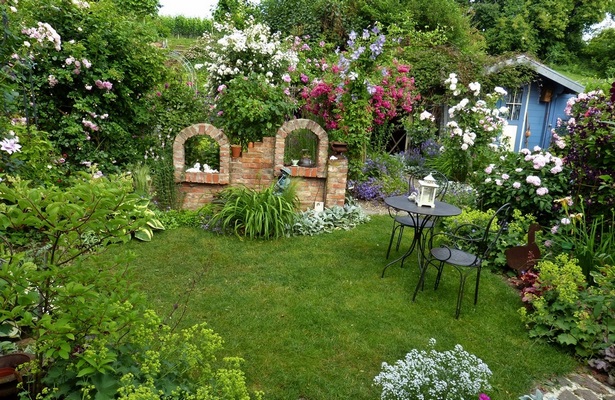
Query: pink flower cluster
[89, 124]
[44, 33]
[103, 84]
[78, 64]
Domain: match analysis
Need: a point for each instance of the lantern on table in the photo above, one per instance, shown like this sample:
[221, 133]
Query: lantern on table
[428, 188]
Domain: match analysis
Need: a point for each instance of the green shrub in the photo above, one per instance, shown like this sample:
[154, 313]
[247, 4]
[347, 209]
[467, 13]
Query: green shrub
[256, 214]
[564, 310]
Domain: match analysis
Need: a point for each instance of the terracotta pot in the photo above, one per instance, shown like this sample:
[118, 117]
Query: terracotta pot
[235, 150]
[250, 145]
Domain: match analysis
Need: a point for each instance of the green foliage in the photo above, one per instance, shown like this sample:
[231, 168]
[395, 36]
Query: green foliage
[250, 108]
[569, 313]
[174, 106]
[600, 52]
[589, 132]
[469, 141]
[552, 29]
[293, 17]
[65, 218]
[203, 150]
[592, 242]
[255, 214]
[173, 219]
[312, 223]
[92, 333]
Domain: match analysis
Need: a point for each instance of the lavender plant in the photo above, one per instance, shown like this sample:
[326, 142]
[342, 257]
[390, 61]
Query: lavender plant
[423, 375]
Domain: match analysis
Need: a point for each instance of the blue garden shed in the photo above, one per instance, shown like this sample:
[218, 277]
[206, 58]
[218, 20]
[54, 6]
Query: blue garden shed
[535, 107]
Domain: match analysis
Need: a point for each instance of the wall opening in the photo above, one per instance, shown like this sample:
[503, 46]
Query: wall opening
[300, 143]
[203, 153]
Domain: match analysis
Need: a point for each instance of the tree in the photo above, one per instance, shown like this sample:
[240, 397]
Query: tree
[552, 29]
[600, 53]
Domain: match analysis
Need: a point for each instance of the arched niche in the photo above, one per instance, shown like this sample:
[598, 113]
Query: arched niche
[179, 155]
[323, 144]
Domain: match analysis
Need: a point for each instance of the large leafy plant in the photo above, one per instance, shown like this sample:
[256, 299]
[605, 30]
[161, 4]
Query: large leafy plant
[84, 86]
[249, 108]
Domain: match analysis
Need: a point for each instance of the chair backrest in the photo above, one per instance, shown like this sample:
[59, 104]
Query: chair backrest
[490, 237]
[419, 174]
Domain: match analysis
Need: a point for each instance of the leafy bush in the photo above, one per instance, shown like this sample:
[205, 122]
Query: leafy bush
[591, 242]
[451, 375]
[312, 223]
[590, 130]
[470, 138]
[250, 213]
[564, 310]
[249, 108]
[462, 195]
[87, 90]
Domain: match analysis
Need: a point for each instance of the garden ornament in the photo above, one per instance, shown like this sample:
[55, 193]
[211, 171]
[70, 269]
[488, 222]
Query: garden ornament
[283, 181]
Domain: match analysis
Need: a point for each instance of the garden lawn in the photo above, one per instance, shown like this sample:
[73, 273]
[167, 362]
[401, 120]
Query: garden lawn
[313, 319]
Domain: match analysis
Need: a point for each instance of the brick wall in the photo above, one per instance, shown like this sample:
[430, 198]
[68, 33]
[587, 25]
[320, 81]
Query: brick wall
[260, 166]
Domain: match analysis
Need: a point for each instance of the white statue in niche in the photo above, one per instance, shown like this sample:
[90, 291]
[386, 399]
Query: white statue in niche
[206, 168]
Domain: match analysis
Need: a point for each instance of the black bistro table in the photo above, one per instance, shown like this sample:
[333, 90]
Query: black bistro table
[421, 216]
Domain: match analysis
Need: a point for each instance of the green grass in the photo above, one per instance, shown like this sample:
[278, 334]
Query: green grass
[313, 319]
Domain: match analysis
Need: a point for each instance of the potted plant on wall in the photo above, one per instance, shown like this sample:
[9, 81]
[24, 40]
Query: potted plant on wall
[249, 108]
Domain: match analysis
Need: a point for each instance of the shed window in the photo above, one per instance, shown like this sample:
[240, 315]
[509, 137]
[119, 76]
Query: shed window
[513, 102]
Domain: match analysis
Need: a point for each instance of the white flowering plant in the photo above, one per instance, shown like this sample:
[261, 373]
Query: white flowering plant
[228, 52]
[430, 374]
[530, 179]
[474, 129]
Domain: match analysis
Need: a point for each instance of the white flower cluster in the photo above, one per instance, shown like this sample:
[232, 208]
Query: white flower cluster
[231, 51]
[427, 375]
[43, 32]
[472, 118]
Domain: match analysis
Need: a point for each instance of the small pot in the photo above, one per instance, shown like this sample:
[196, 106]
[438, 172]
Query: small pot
[235, 150]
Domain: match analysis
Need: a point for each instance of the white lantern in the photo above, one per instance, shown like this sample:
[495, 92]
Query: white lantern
[428, 188]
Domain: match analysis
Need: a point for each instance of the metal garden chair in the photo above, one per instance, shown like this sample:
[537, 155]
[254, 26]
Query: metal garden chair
[464, 249]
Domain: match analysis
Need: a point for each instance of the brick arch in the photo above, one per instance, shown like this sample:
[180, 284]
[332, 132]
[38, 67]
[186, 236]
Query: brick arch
[179, 155]
[323, 143]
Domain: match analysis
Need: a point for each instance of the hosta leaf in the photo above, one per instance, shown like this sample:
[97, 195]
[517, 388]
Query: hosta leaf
[144, 234]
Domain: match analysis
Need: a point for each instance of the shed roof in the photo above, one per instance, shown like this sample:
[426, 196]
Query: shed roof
[544, 71]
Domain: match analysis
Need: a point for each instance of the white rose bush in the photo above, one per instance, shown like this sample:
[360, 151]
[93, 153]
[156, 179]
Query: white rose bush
[474, 128]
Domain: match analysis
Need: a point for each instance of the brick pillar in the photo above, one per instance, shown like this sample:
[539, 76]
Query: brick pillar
[337, 175]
